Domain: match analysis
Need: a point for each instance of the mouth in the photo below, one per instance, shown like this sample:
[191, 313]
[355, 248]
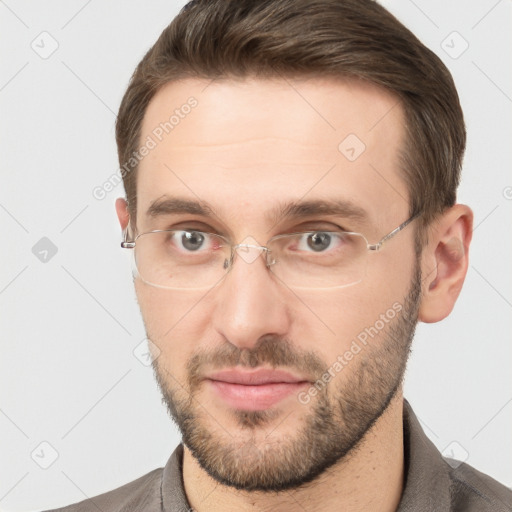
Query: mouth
[254, 390]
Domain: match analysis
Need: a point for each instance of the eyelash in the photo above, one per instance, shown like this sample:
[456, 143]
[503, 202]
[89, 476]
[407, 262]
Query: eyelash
[312, 227]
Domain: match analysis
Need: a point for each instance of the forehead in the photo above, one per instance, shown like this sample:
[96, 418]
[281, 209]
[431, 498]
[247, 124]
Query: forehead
[244, 146]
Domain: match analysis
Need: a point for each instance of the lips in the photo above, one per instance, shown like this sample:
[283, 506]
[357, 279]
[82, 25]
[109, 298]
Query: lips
[254, 390]
[255, 378]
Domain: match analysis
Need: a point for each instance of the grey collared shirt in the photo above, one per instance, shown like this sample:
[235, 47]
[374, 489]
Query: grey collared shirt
[433, 484]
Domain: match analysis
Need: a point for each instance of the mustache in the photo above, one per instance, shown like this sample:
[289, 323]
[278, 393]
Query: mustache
[269, 350]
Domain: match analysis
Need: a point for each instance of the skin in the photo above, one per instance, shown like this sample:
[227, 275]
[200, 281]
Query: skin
[248, 146]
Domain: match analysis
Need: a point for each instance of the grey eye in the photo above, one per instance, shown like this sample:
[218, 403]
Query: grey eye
[319, 241]
[192, 240]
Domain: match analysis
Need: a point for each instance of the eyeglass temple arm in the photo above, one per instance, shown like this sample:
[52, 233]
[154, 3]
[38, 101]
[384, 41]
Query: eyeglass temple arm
[127, 244]
[378, 245]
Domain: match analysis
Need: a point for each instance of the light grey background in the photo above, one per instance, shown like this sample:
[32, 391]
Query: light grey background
[70, 325]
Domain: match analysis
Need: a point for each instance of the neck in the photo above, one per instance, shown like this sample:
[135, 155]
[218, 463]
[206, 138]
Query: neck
[370, 478]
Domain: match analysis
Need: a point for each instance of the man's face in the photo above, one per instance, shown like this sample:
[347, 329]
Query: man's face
[248, 149]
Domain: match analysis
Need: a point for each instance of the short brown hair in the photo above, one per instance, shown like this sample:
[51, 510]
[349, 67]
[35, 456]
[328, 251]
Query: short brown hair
[215, 39]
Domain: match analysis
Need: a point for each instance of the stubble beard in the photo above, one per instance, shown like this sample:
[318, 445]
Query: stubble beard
[332, 429]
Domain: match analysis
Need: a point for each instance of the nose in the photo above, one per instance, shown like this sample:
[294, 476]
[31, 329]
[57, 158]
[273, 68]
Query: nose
[250, 302]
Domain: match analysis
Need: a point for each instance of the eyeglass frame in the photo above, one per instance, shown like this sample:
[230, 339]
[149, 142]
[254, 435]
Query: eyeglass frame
[131, 244]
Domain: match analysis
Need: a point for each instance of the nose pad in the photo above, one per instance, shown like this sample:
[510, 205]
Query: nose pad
[271, 260]
[249, 250]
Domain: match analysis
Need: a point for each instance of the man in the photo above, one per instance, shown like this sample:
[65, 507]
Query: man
[290, 170]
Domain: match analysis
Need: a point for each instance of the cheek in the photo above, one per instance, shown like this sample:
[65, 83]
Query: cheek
[333, 317]
[175, 321]
[332, 322]
[390, 269]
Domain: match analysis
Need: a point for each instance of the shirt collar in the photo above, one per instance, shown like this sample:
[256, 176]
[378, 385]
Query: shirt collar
[427, 478]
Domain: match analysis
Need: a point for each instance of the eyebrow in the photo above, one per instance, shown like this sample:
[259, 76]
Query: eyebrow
[303, 209]
[174, 205]
[293, 210]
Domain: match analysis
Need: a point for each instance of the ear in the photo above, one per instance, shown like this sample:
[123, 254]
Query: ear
[122, 212]
[445, 260]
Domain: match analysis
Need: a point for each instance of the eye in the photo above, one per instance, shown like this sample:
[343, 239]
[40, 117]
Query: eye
[319, 241]
[192, 240]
